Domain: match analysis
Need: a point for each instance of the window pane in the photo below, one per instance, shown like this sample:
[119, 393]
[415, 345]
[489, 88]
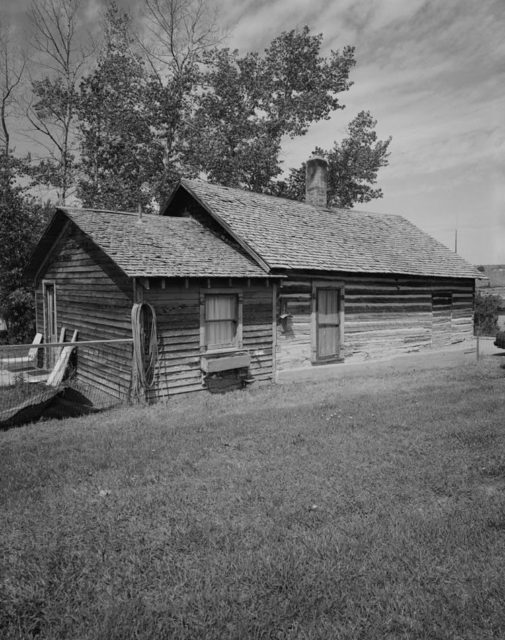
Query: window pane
[221, 319]
[221, 307]
[220, 332]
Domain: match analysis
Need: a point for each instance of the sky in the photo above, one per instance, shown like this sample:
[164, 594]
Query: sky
[433, 75]
[432, 72]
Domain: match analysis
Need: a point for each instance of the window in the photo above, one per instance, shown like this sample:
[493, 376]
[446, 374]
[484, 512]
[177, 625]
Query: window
[222, 326]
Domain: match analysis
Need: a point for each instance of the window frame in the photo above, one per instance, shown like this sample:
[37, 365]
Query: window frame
[237, 342]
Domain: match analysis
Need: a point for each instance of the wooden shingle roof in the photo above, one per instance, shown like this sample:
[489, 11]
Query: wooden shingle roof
[290, 235]
[156, 246]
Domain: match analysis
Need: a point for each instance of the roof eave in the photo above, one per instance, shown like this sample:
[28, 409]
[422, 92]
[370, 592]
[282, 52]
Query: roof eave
[382, 272]
[39, 253]
[234, 276]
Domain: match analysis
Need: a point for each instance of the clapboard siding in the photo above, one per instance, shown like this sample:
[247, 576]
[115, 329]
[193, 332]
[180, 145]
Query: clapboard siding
[383, 316]
[95, 298]
[178, 322]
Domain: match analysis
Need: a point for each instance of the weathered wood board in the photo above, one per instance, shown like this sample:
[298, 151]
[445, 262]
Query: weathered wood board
[383, 316]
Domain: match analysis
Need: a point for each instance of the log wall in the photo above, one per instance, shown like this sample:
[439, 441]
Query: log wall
[178, 322]
[383, 316]
[93, 297]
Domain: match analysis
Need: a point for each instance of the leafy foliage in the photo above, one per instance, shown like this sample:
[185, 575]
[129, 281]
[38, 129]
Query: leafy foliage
[118, 153]
[486, 314]
[52, 114]
[246, 104]
[353, 165]
[500, 340]
[214, 112]
[20, 224]
[171, 101]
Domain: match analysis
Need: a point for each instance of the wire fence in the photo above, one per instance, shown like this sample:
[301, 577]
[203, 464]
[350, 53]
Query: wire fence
[60, 379]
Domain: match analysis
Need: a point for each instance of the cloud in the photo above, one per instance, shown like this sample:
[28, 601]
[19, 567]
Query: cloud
[430, 71]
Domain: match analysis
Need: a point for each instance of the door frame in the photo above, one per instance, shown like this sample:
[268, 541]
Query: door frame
[50, 353]
[340, 288]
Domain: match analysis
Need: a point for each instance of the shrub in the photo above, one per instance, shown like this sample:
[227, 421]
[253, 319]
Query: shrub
[485, 317]
[19, 312]
[500, 340]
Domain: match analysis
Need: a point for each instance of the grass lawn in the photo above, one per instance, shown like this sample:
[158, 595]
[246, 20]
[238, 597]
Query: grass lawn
[344, 509]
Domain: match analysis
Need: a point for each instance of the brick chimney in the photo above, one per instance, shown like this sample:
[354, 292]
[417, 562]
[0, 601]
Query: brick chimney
[316, 182]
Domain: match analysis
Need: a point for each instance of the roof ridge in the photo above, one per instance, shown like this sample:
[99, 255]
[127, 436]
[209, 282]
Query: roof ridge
[332, 210]
[91, 210]
[133, 214]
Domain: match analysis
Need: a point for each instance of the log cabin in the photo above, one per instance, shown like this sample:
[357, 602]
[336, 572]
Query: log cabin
[353, 286]
[247, 287]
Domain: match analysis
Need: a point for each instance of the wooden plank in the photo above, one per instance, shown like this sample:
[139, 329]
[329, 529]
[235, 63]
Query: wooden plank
[213, 364]
[56, 375]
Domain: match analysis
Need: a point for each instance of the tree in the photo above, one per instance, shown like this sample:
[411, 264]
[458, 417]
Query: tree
[353, 165]
[20, 224]
[244, 105]
[12, 69]
[486, 311]
[119, 156]
[53, 110]
[178, 34]
[215, 112]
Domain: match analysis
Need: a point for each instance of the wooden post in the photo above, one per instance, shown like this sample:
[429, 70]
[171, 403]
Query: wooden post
[138, 291]
[274, 332]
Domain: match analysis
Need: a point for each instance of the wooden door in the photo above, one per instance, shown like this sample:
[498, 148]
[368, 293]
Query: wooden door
[50, 322]
[327, 324]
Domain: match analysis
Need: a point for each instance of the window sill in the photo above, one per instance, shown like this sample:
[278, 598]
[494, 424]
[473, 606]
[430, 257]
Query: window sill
[222, 351]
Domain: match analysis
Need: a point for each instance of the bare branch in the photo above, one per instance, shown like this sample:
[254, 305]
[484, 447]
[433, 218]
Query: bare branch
[12, 71]
[64, 57]
[179, 30]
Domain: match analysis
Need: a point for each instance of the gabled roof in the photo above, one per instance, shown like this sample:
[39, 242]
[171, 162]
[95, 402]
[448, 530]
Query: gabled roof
[153, 246]
[290, 235]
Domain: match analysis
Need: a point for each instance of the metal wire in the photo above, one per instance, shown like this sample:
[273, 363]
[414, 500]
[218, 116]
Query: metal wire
[145, 349]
